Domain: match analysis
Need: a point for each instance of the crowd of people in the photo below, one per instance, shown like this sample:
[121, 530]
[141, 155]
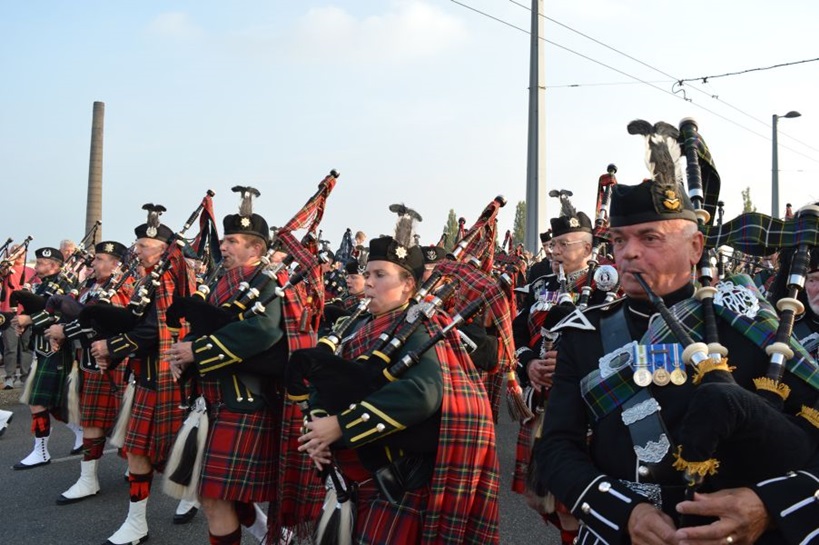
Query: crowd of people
[358, 397]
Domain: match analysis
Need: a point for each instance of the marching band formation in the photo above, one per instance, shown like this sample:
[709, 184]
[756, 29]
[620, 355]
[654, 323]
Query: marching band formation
[356, 393]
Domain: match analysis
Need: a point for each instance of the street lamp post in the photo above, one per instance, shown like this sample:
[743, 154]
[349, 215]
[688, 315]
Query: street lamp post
[775, 163]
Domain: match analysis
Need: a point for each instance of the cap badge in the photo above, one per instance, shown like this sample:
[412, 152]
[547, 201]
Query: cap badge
[671, 201]
[245, 222]
[151, 231]
[431, 255]
[401, 252]
[108, 247]
[574, 223]
[46, 253]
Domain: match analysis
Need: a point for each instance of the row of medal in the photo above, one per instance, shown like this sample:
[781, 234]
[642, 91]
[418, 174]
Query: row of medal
[658, 364]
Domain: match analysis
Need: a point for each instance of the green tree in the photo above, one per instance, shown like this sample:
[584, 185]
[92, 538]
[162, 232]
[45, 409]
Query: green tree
[451, 230]
[519, 226]
[747, 205]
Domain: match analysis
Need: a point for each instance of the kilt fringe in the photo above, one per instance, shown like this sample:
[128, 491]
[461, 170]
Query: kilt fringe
[25, 397]
[121, 425]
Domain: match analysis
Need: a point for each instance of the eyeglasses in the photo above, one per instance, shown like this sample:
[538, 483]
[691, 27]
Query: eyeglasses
[564, 245]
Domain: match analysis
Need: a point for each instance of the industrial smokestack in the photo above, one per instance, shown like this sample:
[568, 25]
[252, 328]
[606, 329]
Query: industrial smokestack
[93, 206]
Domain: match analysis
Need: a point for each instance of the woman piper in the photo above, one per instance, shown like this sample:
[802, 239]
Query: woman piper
[406, 432]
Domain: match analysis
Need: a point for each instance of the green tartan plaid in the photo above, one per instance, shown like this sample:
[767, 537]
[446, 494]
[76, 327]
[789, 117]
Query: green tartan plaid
[602, 396]
[760, 235]
[761, 330]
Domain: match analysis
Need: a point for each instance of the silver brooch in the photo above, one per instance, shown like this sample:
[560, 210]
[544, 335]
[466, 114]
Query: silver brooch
[737, 298]
[151, 232]
[245, 222]
[401, 252]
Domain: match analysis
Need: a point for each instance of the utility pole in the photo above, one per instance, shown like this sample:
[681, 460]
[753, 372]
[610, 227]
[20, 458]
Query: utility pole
[535, 164]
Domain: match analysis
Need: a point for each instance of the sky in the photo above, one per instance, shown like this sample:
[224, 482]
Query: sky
[422, 102]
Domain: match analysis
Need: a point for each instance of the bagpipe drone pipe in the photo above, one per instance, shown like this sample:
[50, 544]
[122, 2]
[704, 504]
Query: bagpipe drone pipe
[722, 417]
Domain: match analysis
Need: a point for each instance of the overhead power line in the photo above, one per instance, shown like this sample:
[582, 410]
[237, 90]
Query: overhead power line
[644, 82]
[704, 79]
[680, 82]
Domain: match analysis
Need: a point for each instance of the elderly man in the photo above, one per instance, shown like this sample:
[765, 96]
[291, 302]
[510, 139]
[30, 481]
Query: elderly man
[607, 451]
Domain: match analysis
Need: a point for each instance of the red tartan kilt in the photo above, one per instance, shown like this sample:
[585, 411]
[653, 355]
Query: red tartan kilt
[141, 439]
[98, 403]
[378, 522]
[241, 455]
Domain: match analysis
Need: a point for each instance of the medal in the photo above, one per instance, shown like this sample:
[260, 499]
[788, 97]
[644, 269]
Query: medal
[678, 377]
[642, 377]
[661, 376]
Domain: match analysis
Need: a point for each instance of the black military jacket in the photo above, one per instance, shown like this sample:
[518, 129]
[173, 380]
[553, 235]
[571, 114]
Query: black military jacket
[585, 473]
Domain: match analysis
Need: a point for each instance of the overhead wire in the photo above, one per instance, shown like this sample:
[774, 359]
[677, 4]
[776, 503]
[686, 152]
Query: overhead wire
[680, 82]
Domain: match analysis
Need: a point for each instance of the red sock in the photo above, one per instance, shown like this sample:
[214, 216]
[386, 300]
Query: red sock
[140, 485]
[245, 512]
[41, 424]
[233, 538]
[92, 448]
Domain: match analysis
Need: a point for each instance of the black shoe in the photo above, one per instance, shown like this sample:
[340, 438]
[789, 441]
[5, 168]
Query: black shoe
[185, 518]
[77, 450]
[8, 387]
[21, 465]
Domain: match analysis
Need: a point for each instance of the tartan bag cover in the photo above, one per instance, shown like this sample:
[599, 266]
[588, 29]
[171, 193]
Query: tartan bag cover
[167, 415]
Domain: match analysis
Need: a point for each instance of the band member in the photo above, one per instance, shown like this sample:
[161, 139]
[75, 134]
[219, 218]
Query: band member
[100, 393]
[45, 386]
[354, 278]
[568, 243]
[155, 416]
[371, 436]
[432, 255]
[235, 370]
[16, 349]
[620, 490]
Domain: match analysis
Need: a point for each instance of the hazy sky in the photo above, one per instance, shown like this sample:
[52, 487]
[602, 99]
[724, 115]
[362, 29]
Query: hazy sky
[415, 101]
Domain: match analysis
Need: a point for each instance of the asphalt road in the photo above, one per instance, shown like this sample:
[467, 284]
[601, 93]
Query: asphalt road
[31, 516]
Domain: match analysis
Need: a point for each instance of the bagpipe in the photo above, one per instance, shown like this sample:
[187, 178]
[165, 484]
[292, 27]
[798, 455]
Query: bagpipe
[108, 320]
[721, 414]
[64, 283]
[8, 261]
[338, 382]
[204, 318]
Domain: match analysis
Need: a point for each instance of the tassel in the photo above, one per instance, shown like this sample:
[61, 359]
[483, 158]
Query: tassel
[767, 384]
[124, 416]
[810, 414]
[701, 469]
[185, 461]
[73, 391]
[26, 395]
[518, 409]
